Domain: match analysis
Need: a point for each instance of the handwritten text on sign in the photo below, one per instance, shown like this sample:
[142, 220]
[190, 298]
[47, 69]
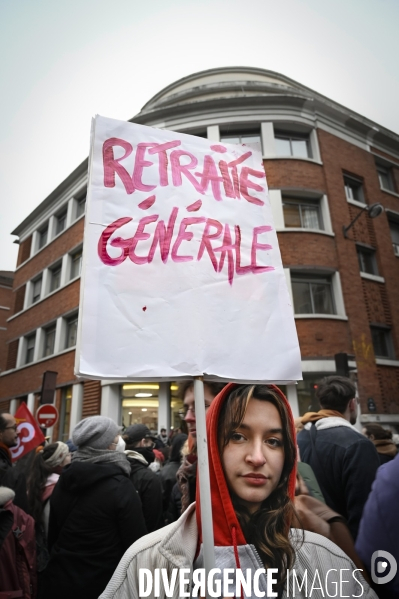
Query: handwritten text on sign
[176, 229]
[232, 177]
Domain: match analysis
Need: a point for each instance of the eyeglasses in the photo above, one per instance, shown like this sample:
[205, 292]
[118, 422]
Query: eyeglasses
[14, 427]
[191, 409]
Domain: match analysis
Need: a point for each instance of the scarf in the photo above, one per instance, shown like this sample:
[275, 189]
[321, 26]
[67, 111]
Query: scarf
[6, 451]
[315, 416]
[385, 446]
[102, 456]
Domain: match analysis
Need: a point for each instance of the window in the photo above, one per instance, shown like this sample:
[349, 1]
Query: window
[354, 189]
[71, 331]
[55, 280]
[36, 290]
[367, 260]
[80, 206]
[394, 228]
[49, 341]
[312, 294]
[382, 342]
[60, 222]
[302, 214]
[292, 144]
[385, 178]
[241, 138]
[65, 413]
[76, 264]
[30, 348]
[42, 237]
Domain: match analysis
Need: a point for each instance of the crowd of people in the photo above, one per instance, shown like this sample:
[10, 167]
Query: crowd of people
[311, 497]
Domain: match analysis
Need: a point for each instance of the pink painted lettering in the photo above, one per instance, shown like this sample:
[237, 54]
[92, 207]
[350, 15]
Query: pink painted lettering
[184, 235]
[104, 238]
[112, 165]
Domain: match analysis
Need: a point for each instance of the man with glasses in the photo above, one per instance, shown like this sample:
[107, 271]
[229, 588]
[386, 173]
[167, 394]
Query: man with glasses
[187, 473]
[139, 451]
[9, 477]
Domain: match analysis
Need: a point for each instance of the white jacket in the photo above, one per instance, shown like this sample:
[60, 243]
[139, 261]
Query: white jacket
[175, 545]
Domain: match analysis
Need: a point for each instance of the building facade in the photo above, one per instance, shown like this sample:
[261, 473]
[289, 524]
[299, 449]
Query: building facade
[6, 302]
[325, 165]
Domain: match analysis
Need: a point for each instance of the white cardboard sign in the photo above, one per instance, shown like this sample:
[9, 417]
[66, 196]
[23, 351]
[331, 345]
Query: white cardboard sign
[182, 273]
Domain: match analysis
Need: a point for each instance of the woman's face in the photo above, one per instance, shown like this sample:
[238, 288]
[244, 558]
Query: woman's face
[253, 460]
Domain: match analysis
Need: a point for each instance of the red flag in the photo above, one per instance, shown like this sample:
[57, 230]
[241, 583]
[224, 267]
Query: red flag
[30, 434]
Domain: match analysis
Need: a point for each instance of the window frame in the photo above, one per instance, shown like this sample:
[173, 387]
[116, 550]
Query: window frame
[55, 269]
[76, 253]
[383, 170]
[40, 243]
[37, 298]
[49, 330]
[303, 202]
[388, 340]
[68, 322]
[65, 415]
[356, 184]
[393, 223]
[370, 252]
[242, 135]
[291, 136]
[79, 203]
[314, 279]
[61, 216]
[28, 339]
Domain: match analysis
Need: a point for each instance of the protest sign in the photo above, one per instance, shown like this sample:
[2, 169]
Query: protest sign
[182, 273]
[29, 433]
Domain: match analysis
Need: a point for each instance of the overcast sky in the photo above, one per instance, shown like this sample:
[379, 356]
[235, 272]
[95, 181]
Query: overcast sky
[64, 61]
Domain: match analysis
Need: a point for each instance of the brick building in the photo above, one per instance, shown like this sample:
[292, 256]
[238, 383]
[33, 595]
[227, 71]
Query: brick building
[6, 301]
[324, 164]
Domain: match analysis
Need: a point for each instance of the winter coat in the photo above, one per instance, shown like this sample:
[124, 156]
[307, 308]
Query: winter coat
[386, 449]
[168, 479]
[17, 550]
[345, 464]
[12, 478]
[176, 545]
[149, 487]
[169, 471]
[95, 515]
[379, 527]
[173, 511]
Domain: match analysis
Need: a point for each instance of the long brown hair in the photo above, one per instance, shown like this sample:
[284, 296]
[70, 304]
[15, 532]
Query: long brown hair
[268, 527]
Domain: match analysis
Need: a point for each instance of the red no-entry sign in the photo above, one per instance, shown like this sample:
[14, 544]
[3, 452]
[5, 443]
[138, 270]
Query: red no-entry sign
[47, 415]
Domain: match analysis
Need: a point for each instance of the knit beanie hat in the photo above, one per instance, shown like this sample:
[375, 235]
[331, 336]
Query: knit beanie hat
[59, 455]
[97, 432]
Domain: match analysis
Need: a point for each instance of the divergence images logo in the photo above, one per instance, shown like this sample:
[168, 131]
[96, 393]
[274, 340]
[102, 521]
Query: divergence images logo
[383, 567]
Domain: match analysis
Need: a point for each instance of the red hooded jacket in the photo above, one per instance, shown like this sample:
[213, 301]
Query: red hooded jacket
[226, 528]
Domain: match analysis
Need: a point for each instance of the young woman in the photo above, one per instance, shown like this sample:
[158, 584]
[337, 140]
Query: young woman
[251, 438]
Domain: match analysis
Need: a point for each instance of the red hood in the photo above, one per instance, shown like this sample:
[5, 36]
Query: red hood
[224, 516]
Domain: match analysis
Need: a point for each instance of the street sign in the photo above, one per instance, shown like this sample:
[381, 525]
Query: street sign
[47, 415]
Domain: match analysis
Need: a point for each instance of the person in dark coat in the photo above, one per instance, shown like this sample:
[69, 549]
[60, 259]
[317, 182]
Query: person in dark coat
[139, 452]
[344, 461]
[95, 514]
[169, 471]
[17, 550]
[382, 439]
[379, 527]
[10, 476]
